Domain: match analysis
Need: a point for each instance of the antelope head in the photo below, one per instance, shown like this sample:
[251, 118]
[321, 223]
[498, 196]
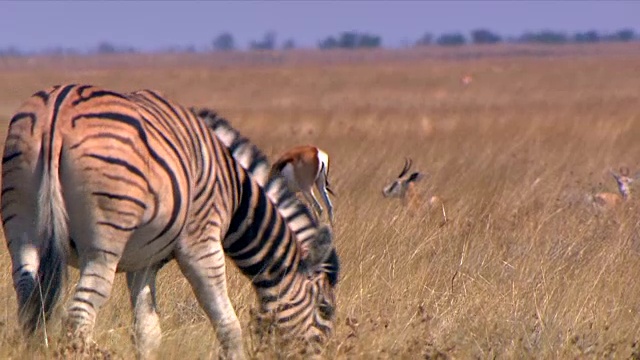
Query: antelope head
[623, 180]
[398, 187]
[609, 200]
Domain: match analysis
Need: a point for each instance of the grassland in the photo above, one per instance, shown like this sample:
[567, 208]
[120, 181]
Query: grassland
[524, 268]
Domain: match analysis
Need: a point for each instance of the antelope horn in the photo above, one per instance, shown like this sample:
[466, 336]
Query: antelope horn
[407, 166]
[614, 174]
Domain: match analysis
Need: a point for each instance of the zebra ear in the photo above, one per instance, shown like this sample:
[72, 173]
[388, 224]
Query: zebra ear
[319, 249]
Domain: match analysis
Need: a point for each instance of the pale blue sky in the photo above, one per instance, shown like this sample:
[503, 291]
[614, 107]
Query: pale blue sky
[149, 25]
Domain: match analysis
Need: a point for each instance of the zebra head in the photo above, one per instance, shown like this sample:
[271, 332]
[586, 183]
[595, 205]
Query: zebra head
[398, 187]
[321, 267]
[307, 310]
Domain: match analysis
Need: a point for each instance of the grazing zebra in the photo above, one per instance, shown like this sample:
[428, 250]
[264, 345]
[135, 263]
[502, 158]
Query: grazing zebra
[303, 166]
[117, 182]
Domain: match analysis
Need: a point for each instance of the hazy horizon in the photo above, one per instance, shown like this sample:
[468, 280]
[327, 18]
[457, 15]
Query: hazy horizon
[155, 25]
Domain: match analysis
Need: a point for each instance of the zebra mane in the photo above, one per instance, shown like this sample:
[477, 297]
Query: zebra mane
[256, 164]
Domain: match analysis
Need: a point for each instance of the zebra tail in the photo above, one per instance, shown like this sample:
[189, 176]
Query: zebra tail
[52, 227]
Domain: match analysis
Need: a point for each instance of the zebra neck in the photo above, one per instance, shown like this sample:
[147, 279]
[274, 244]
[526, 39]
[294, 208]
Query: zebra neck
[259, 241]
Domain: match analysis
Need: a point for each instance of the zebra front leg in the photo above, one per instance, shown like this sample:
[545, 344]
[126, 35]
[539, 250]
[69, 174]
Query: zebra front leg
[142, 291]
[97, 271]
[203, 264]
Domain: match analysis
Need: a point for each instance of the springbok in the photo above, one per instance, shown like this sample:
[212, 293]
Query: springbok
[608, 200]
[404, 187]
[303, 166]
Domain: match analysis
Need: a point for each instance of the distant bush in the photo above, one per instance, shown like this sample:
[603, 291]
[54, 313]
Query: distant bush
[586, 37]
[451, 39]
[425, 40]
[106, 47]
[224, 42]
[369, 41]
[60, 51]
[289, 44]
[10, 51]
[544, 37]
[178, 49]
[623, 35]
[351, 40]
[484, 36]
[268, 42]
[328, 43]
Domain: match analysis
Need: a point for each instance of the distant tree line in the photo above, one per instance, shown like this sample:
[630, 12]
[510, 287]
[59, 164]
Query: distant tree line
[225, 41]
[485, 36]
[351, 40]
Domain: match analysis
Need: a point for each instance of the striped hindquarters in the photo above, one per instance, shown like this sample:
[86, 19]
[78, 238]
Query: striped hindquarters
[102, 176]
[79, 164]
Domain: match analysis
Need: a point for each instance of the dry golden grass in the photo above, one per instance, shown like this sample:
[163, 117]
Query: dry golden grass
[524, 268]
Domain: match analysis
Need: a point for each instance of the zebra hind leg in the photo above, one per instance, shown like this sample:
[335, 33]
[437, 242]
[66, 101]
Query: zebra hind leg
[97, 272]
[142, 290]
[203, 264]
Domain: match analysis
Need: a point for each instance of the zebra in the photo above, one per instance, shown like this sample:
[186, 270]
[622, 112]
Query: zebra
[126, 182]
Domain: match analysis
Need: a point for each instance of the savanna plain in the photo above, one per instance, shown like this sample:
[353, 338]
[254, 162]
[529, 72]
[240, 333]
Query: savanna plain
[523, 267]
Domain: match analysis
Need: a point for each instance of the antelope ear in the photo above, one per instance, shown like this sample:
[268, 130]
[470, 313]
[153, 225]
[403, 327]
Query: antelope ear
[416, 176]
[319, 249]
